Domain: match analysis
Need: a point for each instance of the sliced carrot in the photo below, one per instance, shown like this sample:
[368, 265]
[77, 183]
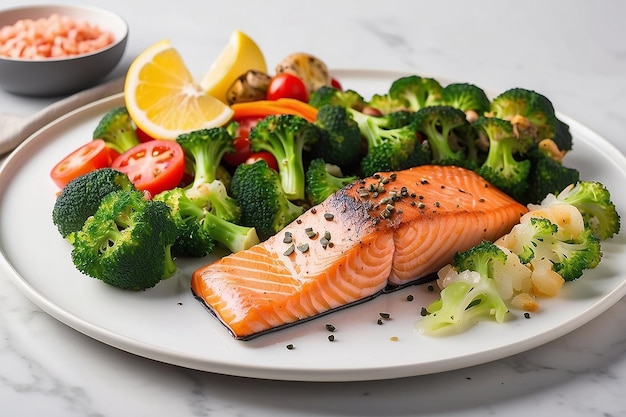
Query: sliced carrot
[268, 107]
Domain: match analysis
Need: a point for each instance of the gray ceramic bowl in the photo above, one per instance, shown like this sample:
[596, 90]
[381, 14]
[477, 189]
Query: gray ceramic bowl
[55, 77]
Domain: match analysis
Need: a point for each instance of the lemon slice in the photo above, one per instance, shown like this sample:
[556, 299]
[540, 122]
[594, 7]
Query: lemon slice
[240, 55]
[164, 100]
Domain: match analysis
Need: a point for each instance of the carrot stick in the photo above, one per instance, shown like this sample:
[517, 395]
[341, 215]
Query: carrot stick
[262, 108]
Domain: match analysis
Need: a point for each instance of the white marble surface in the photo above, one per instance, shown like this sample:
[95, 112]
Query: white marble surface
[572, 51]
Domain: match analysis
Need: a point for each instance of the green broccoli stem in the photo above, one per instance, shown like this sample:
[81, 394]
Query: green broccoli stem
[369, 129]
[291, 172]
[290, 164]
[500, 156]
[170, 267]
[439, 145]
[233, 236]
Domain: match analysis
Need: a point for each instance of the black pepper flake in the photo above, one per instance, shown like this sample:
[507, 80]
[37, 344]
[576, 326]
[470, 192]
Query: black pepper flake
[289, 250]
[299, 221]
[290, 346]
[393, 176]
[330, 327]
[329, 216]
[437, 204]
[424, 182]
[430, 287]
[421, 205]
[423, 312]
[331, 337]
[379, 322]
[481, 200]
[410, 297]
[384, 315]
[527, 315]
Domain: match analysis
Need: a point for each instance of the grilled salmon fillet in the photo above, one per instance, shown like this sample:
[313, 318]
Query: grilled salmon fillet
[390, 229]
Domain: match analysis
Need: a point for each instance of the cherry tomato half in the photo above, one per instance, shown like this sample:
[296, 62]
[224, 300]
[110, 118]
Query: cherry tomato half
[267, 156]
[335, 83]
[241, 142]
[88, 157]
[285, 85]
[143, 136]
[153, 166]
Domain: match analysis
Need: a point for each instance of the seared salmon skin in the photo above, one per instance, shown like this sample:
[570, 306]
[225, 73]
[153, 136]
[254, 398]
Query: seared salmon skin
[387, 230]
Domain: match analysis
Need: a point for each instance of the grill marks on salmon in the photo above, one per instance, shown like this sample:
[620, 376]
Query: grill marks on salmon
[388, 230]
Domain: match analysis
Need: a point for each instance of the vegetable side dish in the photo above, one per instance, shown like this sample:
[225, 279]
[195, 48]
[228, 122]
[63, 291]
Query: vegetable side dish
[319, 186]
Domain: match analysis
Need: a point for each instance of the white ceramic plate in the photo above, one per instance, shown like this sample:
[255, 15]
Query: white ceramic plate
[167, 324]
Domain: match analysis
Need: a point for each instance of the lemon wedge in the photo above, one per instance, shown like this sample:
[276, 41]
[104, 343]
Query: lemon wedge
[240, 55]
[164, 100]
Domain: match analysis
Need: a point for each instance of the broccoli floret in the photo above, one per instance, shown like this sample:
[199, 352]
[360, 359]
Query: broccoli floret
[391, 140]
[593, 200]
[415, 92]
[117, 130]
[285, 136]
[547, 175]
[563, 137]
[263, 202]
[336, 97]
[323, 179]
[200, 229]
[466, 97]
[385, 104]
[443, 126]
[205, 148]
[538, 238]
[127, 242]
[192, 239]
[501, 168]
[527, 110]
[340, 138]
[81, 197]
[470, 291]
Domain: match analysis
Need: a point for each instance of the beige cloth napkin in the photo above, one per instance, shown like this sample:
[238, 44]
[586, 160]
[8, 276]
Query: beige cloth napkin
[15, 129]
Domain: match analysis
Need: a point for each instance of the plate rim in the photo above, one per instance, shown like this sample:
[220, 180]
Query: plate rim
[176, 358]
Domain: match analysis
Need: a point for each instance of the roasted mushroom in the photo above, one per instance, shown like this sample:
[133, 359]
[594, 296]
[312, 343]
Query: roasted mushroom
[311, 70]
[250, 86]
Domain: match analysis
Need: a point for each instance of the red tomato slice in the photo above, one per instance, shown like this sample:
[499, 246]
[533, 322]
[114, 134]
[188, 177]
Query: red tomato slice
[285, 85]
[88, 157]
[267, 156]
[153, 166]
